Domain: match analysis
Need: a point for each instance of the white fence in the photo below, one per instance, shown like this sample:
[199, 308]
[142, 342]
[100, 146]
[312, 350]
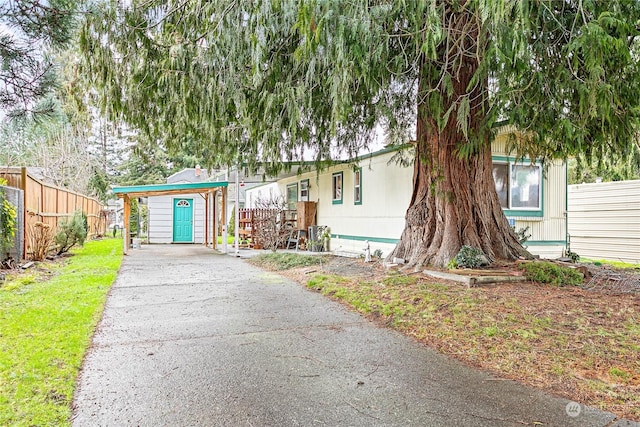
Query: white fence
[604, 220]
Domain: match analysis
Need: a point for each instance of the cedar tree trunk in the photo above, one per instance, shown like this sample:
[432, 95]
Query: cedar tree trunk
[454, 203]
[454, 200]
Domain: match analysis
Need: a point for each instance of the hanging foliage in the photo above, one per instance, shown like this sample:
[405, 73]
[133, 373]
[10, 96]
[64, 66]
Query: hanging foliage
[273, 81]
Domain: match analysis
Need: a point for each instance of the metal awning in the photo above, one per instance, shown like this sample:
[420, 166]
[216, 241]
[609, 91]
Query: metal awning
[167, 189]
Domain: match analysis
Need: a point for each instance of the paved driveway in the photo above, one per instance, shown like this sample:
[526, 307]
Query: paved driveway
[193, 338]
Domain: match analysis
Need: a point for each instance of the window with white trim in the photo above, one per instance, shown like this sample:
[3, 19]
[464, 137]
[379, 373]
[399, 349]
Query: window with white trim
[292, 196]
[336, 188]
[357, 186]
[304, 190]
[519, 185]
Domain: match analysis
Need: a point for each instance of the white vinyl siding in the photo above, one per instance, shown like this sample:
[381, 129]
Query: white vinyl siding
[604, 220]
[386, 189]
[161, 218]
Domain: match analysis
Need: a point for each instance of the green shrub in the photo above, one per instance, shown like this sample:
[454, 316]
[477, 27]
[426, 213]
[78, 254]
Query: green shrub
[71, 232]
[572, 255]
[548, 272]
[8, 223]
[231, 228]
[522, 234]
[469, 257]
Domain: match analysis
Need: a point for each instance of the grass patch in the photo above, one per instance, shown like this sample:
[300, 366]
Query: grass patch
[548, 272]
[15, 282]
[46, 327]
[230, 240]
[284, 261]
[616, 264]
[567, 341]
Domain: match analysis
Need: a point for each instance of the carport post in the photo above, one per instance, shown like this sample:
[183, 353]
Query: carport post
[236, 206]
[206, 219]
[214, 220]
[224, 219]
[125, 222]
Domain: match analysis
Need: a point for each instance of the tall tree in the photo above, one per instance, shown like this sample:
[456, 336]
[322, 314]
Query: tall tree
[279, 79]
[28, 29]
[52, 146]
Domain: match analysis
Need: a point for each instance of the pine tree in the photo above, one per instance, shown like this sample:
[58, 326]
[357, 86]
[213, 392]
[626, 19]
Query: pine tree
[30, 28]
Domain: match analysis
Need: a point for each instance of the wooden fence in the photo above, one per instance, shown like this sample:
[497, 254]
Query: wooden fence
[604, 220]
[50, 204]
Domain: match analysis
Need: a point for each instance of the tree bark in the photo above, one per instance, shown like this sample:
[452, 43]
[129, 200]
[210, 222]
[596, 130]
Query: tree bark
[454, 201]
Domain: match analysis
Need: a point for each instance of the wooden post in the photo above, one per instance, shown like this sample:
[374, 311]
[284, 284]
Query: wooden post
[125, 222]
[42, 207]
[23, 178]
[224, 219]
[214, 219]
[206, 219]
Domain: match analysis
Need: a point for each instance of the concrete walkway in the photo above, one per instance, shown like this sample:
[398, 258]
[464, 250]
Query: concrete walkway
[193, 338]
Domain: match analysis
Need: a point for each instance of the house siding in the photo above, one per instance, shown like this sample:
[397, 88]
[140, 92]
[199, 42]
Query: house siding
[386, 193]
[604, 220]
[161, 218]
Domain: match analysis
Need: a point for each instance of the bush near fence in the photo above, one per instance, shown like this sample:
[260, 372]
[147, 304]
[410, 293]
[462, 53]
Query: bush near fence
[48, 204]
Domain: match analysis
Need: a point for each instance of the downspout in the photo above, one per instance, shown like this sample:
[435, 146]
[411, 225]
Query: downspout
[567, 238]
[23, 178]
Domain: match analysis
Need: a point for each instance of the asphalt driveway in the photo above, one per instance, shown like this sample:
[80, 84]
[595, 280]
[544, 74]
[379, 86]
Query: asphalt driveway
[190, 337]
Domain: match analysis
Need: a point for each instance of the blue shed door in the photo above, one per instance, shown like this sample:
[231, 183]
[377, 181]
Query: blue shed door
[183, 220]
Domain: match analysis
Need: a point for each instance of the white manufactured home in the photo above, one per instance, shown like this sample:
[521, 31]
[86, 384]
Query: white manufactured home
[368, 203]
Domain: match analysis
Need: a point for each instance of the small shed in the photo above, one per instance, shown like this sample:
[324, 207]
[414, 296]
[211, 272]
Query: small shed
[180, 211]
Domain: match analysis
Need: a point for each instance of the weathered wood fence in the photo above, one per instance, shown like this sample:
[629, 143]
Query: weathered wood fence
[50, 204]
[604, 220]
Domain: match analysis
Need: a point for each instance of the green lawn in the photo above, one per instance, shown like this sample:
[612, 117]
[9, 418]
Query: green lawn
[45, 329]
[616, 264]
[230, 240]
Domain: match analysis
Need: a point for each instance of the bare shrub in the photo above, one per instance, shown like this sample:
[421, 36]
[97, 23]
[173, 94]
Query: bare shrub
[272, 227]
[41, 238]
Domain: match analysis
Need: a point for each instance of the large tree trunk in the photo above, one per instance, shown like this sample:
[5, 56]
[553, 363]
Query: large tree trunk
[454, 200]
[454, 203]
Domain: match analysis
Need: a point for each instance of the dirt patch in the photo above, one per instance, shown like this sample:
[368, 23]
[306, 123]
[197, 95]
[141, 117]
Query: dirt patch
[581, 343]
[349, 267]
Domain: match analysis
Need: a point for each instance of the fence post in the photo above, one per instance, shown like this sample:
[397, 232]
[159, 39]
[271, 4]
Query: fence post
[23, 182]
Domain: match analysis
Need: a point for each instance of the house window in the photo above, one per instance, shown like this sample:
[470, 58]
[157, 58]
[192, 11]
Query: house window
[304, 190]
[336, 188]
[501, 179]
[292, 196]
[518, 185]
[357, 186]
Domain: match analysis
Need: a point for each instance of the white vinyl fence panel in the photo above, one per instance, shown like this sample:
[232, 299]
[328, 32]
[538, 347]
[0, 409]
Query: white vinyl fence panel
[604, 220]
